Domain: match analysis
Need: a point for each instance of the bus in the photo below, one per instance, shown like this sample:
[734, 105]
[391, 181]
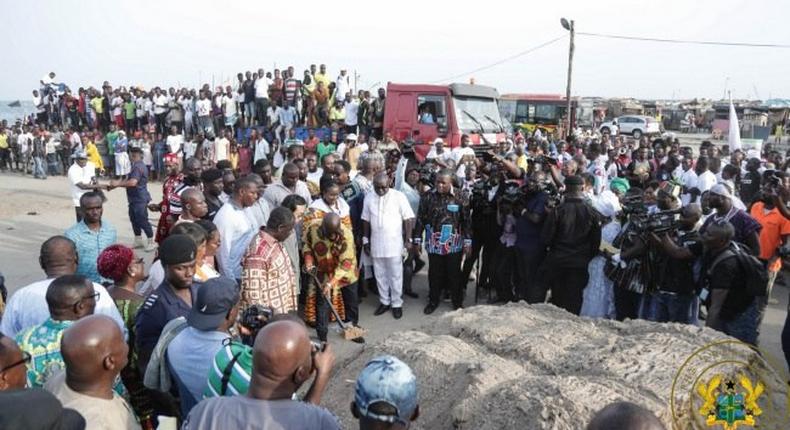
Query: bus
[528, 112]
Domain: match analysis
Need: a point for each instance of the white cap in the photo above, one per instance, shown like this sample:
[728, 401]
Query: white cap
[721, 190]
[352, 137]
[437, 140]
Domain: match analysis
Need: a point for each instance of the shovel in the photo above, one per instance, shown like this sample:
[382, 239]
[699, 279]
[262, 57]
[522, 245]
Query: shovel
[351, 333]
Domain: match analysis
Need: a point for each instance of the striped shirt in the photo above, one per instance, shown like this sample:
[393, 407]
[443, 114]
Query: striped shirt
[237, 376]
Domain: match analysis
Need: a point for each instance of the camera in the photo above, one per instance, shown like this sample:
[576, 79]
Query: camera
[545, 159]
[256, 316]
[659, 222]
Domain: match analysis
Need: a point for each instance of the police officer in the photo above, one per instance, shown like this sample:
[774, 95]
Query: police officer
[172, 299]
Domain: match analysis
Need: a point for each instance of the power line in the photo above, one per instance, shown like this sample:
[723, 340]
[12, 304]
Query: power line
[504, 60]
[686, 42]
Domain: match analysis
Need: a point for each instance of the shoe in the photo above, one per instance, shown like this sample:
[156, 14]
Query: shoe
[138, 242]
[430, 308]
[411, 294]
[151, 245]
[358, 339]
[397, 313]
[456, 307]
[381, 309]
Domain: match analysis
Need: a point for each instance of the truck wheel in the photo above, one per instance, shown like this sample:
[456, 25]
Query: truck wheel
[637, 134]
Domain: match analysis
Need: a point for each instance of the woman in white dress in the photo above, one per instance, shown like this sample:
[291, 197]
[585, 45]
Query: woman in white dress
[598, 299]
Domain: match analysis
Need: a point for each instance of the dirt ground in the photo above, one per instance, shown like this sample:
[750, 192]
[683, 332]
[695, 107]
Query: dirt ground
[32, 210]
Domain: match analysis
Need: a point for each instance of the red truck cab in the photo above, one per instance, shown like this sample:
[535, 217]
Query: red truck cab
[424, 112]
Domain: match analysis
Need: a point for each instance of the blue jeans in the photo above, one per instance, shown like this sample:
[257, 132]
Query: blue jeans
[744, 326]
[39, 169]
[668, 307]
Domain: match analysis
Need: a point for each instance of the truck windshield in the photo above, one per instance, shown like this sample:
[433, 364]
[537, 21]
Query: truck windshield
[472, 113]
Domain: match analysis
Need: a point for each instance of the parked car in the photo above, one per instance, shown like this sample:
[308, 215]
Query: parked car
[635, 125]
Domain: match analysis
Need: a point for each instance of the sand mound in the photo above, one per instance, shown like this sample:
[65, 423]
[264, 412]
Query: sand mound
[539, 367]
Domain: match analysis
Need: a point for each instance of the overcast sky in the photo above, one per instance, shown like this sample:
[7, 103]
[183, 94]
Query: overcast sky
[412, 41]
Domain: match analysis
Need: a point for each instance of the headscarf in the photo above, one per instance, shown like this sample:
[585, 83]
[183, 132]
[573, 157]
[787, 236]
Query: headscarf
[113, 262]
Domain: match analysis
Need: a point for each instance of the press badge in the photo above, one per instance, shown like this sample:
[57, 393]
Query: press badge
[452, 208]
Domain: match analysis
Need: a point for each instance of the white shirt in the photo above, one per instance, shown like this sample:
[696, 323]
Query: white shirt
[262, 87]
[444, 157]
[315, 176]
[706, 181]
[175, 142]
[37, 103]
[458, 153]
[351, 109]
[259, 212]
[117, 105]
[160, 104]
[341, 208]
[236, 230]
[342, 87]
[28, 307]
[221, 146]
[386, 215]
[76, 141]
[189, 149]
[229, 105]
[689, 180]
[80, 175]
[203, 107]
[261, 149]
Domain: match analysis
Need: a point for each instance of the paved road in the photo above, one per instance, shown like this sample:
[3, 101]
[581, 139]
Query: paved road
[32, 210]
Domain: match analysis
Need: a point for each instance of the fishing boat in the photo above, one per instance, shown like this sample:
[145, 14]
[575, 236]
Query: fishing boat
[15, 104]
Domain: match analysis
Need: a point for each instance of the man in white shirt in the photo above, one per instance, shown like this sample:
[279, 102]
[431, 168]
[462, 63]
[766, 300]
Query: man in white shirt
[203, 107]
[160, 109]
[688, 180]
[28, 307]
[175, 143]
[438, 154]
[351, 107]
[221, 147]
[342, 86]
[705, 178]
[387, 222]
[235, 227]
[262, 96]
[82, 178]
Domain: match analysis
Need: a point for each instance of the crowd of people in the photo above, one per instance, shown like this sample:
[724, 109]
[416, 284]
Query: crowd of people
[257, 241]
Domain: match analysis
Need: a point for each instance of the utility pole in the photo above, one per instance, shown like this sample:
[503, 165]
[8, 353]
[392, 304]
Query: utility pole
[568, 114]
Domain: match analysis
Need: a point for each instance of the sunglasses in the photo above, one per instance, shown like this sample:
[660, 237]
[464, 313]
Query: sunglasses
[26, 358]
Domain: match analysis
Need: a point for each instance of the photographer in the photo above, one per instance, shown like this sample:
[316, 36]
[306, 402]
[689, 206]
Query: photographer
[529, 249]
[677, 252]
[509, 206]
[485, 231]
[572, 233]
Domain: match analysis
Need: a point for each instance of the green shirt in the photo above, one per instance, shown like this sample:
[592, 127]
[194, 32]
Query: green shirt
[111, 137]
[42, 342]
[131, 110]
[238, 376]
[324, 148]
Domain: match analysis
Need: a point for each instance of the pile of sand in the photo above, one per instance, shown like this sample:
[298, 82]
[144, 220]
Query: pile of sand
[539, 367]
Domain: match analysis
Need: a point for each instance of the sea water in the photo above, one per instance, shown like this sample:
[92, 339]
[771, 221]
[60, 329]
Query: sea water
[11, 114]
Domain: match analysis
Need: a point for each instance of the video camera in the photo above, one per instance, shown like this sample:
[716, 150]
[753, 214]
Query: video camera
[658, 223]
[255, 318]
[544, 160]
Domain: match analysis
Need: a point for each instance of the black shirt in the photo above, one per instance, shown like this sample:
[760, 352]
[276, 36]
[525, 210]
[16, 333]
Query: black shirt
[573, 234]
[727, 274]
[677, 276]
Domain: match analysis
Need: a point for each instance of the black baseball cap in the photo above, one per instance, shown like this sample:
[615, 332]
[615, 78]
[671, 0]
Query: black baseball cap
[215, 298]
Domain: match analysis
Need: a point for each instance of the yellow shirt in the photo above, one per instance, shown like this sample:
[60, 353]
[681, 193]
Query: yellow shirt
[93, 155]
[336, 114]
[3, 141]
[521, 162]
[322, 77]
[96, 104]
